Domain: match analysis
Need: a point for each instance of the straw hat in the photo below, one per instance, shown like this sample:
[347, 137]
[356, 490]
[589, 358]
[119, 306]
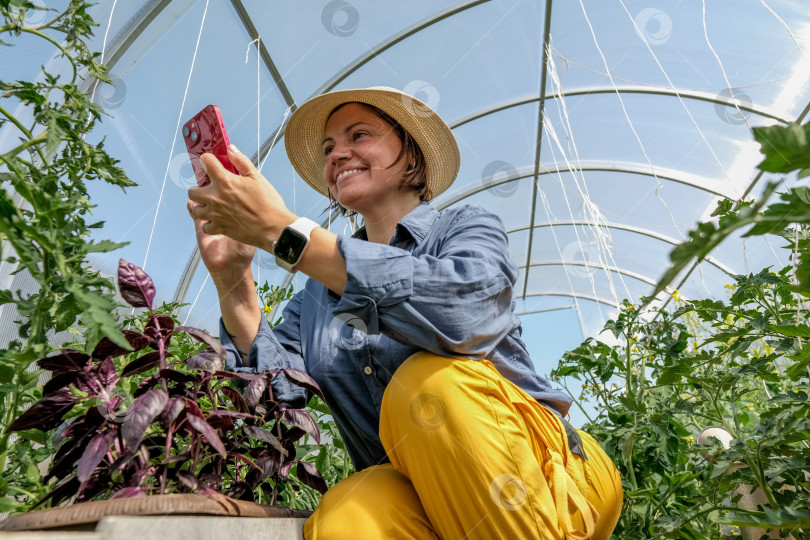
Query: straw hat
[304, 134]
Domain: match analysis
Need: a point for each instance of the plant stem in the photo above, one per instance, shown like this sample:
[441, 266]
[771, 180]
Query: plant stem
[30, 142]
[57, 45]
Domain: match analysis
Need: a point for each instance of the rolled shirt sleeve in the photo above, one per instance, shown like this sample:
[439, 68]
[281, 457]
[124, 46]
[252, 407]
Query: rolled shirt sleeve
[273, 349]
[453, 299]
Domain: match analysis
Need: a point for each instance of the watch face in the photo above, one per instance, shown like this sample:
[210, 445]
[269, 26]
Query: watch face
[289, 245]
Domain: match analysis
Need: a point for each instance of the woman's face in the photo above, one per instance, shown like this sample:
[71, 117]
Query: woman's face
[360, 148]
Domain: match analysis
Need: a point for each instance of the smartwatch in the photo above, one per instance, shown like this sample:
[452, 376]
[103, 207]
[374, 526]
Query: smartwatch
[292, 242]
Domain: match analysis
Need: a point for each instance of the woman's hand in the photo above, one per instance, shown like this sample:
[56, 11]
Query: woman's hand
[244, 208]
[226, 259]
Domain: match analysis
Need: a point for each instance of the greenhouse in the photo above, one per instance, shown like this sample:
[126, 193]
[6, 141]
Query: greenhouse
[642, 165]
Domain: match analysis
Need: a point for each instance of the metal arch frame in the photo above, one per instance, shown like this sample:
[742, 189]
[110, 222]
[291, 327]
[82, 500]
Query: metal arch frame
[686, 94]
[247, 22]
[144, 17]
[603, 166]
[598, 266]
[747, 191]
[359, 62]
[539, 145]
[619, 226]
[578, 296]
[595, 266]
[544, 310]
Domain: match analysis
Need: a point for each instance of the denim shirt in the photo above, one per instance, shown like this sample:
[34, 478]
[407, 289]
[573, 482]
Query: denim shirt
[443, 285]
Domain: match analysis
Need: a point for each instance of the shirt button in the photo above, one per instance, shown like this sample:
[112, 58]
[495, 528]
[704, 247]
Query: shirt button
[367, 370]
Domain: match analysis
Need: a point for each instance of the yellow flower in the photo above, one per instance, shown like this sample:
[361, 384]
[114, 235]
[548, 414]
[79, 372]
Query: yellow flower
[267, 309]
[690, 440]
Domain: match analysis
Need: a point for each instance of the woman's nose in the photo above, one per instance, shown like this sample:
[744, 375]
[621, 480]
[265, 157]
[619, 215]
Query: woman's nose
[339, 152]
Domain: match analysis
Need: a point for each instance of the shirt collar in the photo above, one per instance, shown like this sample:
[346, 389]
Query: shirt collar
[416, 224]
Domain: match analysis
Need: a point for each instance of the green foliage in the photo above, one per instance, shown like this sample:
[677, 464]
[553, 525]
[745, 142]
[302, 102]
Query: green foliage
[271, 296]
[330, 457]
[44, 208]
[741, 364]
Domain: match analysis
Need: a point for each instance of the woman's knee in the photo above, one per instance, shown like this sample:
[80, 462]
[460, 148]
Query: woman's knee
[377, 502]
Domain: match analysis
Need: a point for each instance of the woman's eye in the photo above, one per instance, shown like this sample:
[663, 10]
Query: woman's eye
[327, 150]
[357, 134]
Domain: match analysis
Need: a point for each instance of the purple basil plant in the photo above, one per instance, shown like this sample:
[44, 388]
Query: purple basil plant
[191, 426]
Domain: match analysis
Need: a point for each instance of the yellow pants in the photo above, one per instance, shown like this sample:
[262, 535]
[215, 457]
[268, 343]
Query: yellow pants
[472, 456]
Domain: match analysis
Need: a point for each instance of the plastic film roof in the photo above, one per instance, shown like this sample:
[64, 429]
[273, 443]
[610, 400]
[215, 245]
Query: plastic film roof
[600, 131]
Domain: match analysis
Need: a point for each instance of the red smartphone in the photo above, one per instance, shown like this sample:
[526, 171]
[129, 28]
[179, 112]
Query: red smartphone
[205, 133]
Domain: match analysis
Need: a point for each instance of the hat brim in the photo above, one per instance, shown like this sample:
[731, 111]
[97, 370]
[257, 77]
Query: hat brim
[303, 136]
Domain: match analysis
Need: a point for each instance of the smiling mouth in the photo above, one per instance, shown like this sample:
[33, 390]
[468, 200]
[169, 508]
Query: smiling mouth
[347, 172]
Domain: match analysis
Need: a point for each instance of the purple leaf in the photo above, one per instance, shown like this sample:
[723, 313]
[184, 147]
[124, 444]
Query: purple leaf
[136, 287]
[65, 360]
[232, 414]
[302, 419]
[303, 380]
[189, 480]
[201, 426]
[63, 490]
[142, 413]
[176, 376]
[59, 381]
[228, 504]
[173, 409]
[269, 465]
[291, 434]
[207, 360]
[236, 398]
[129, 492]
[107, 347]
[254, 391]
[285, 470]
[93, 455]
[141, 364]
[265, 436]
[205, 337]
[308, 474]
[106, 373]
[220, 422]
[46, 413]
[239, 376]
[159, 328]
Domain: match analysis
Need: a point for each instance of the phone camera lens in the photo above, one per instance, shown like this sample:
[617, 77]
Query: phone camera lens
[185, 131]
[194, 136]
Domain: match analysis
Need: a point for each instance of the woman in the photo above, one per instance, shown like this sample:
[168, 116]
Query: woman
[453, 433]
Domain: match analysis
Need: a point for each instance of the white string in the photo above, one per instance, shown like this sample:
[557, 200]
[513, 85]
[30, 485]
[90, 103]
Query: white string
[275, 138]
[660, 185]
[778, 18]
[174, 139]
[592, 214]
[194, 303]
[104, 46]
[722, 69]
[257, 41]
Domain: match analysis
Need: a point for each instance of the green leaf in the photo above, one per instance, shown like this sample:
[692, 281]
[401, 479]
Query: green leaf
[801, 330]
[7, 505]
[33, 434]
[786, 148]
[103, 246]
[6, 297]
